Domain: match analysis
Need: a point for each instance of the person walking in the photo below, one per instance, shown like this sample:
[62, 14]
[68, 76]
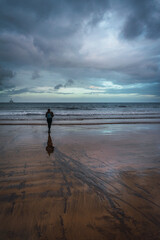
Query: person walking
[49, 116]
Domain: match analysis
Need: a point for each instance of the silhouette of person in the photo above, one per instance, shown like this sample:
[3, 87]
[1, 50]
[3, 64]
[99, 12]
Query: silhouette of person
[49, 116]
[49, 147]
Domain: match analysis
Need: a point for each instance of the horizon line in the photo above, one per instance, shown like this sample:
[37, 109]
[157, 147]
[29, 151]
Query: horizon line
[84, 102]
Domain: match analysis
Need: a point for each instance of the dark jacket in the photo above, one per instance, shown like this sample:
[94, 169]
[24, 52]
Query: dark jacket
[49, 115]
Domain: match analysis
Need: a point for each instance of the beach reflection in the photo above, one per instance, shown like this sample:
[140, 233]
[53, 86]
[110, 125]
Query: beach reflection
[49, 147]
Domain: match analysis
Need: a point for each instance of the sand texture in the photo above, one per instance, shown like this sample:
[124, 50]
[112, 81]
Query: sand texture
[80, 182]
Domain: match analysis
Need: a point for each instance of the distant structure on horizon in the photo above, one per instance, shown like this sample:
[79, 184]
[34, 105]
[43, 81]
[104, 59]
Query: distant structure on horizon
[11, 101]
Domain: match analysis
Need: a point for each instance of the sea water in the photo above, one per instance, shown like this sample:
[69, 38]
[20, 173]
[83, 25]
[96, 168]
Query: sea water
[80, 113]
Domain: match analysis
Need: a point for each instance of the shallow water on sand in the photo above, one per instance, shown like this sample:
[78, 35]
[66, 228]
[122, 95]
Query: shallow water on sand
[80, 182]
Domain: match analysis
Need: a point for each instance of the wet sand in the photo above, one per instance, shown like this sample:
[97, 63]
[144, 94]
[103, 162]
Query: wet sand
[81, 182]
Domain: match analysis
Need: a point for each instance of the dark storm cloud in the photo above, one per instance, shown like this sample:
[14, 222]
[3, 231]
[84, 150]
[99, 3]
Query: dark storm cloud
[132, 28]
[143, 17]
[18, 49]
[24, 16]
[32, 30]
[6, 76]
[140, 72]
[69, 38]
[44, 33]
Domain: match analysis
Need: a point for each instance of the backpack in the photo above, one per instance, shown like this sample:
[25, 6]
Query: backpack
[49, 115]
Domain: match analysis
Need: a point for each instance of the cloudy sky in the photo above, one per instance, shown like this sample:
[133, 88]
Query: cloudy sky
[80, 51]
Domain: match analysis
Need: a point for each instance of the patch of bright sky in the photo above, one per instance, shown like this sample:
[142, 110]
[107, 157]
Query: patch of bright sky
[84, 97]
[111, 85]
[79, 90]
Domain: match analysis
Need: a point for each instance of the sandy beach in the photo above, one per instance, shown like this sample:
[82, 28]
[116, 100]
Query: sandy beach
[81, 182]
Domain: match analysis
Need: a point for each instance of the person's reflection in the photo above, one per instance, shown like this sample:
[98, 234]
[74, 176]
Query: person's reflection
[50, 147]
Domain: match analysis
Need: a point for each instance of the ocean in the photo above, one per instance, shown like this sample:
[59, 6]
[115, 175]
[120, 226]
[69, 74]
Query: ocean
[80, 113]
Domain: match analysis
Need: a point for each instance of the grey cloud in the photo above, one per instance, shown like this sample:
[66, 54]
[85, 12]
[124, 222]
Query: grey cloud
[61, 93]
[65, 17]
[143, 18]
[19, 50]
[144, 72]
[153, 67]
[125, 73]
[18, 91]
[69, 83]
[55, 39]
[14, 91]
[58, 86]
[6, 76]
[50, 35]
[133, 27]
[24, 16]
[94, 93]
[35, 75]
